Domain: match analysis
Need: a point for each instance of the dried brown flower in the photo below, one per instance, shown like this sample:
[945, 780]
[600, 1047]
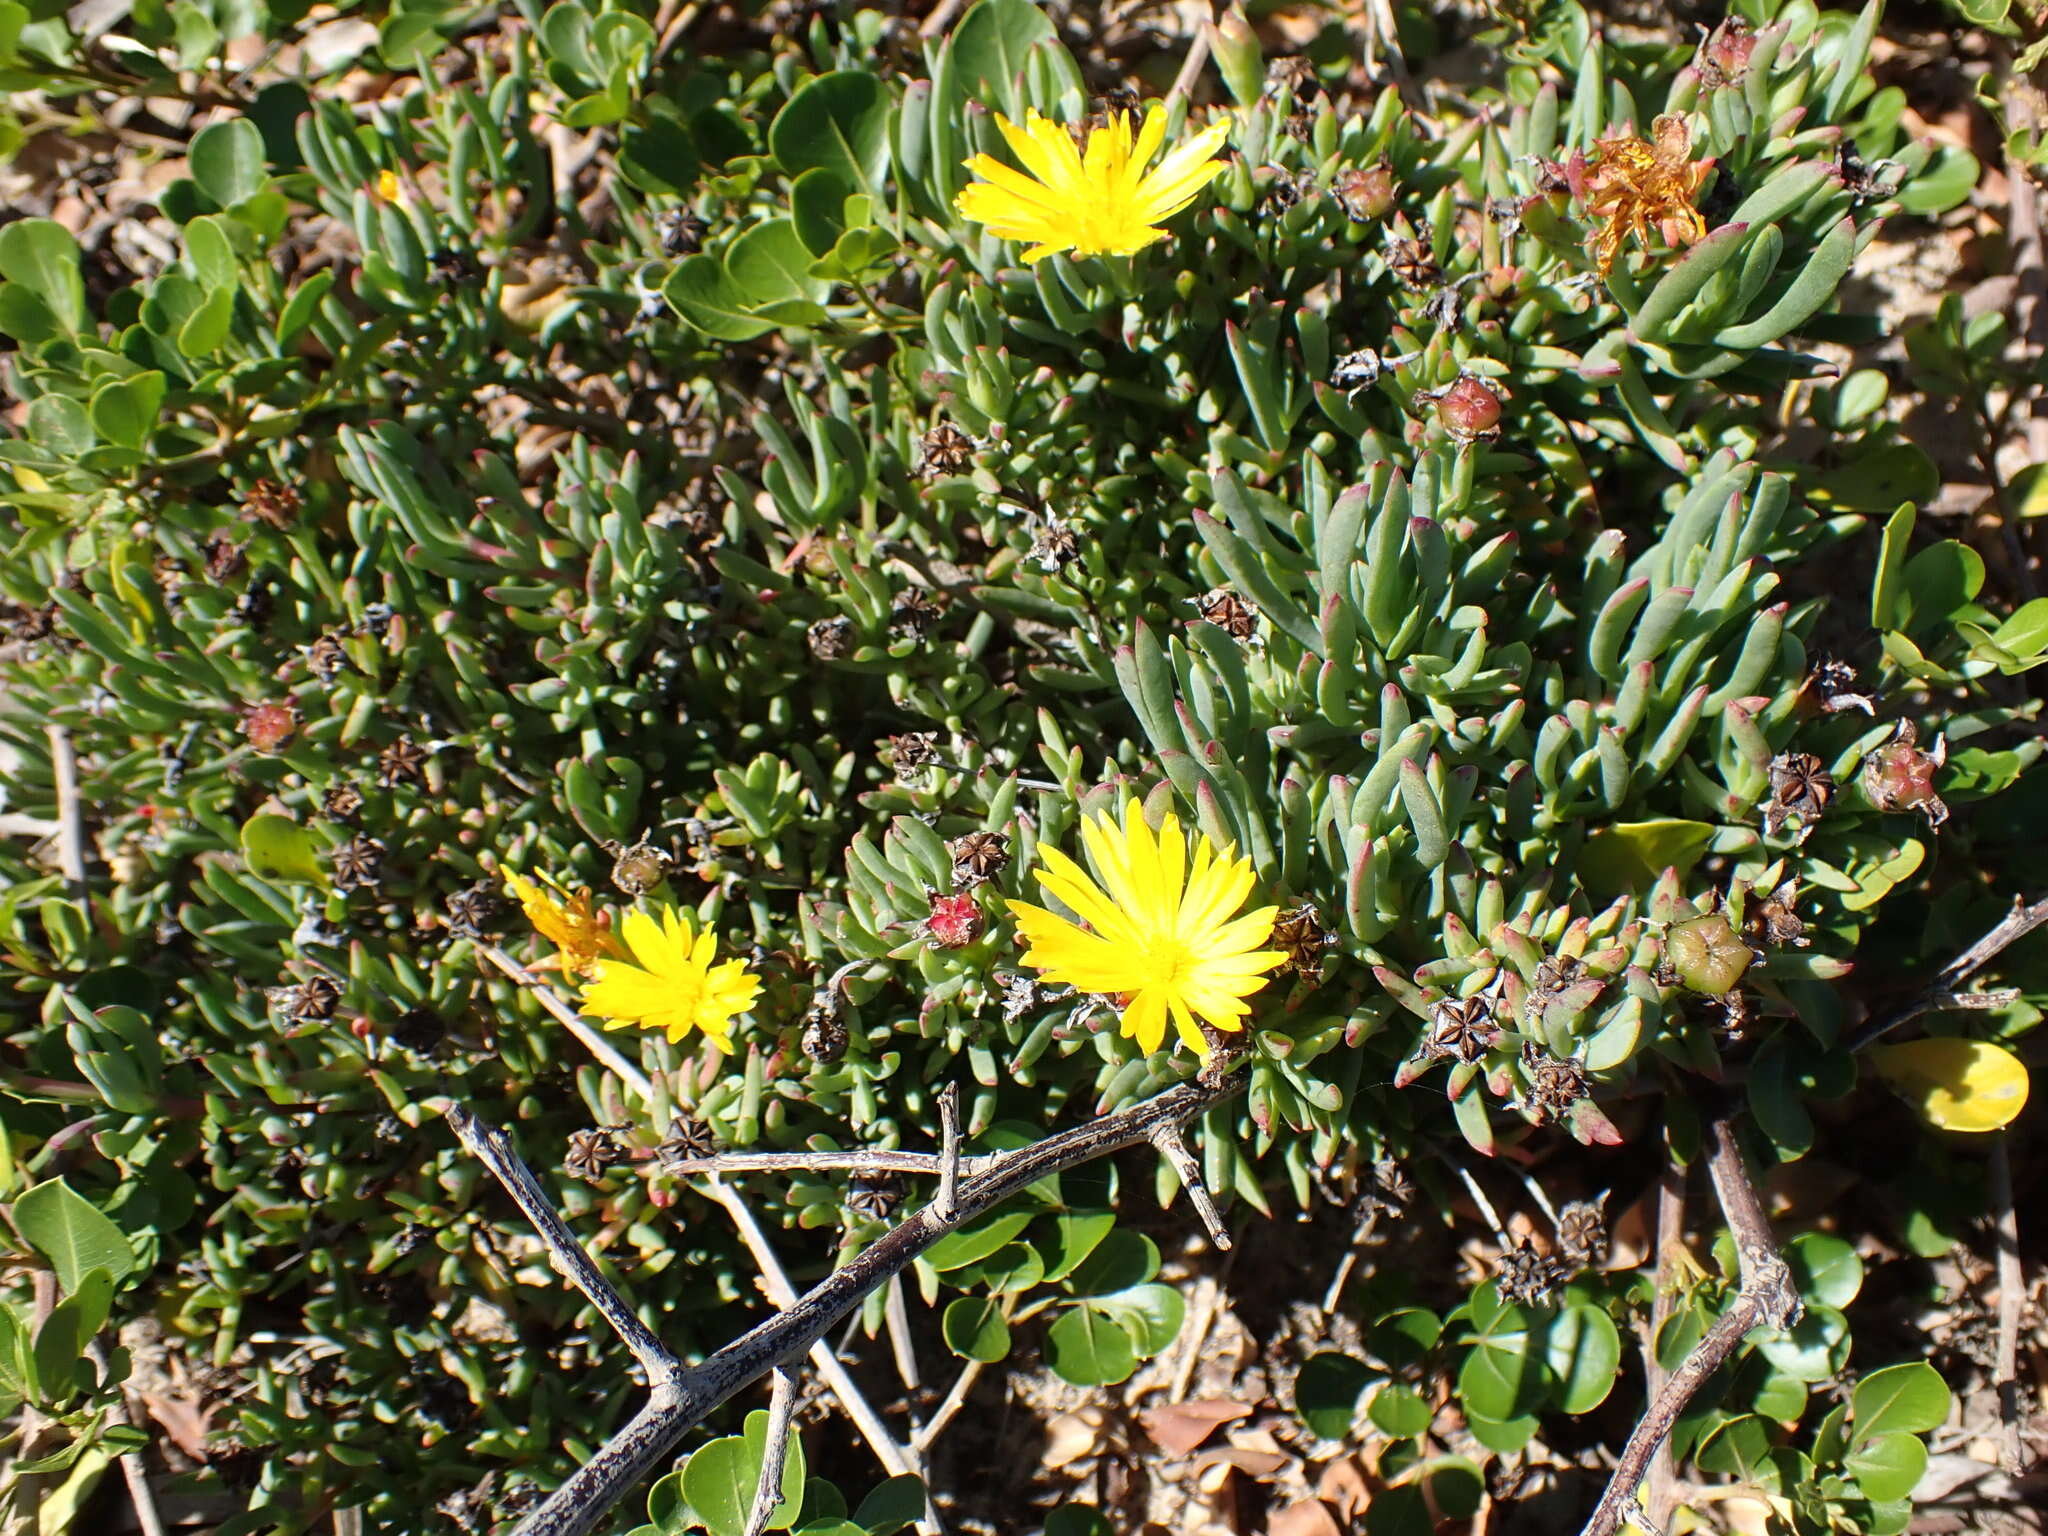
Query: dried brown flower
[327, 659]
[1831, 685]
[1526, 1275]
[270, 502]
[1633, 185]
[1554, 1085]
[358, 864]
[1229, 613]
[1414, 264]
[978, 857]
[638, 869]
[680, 231]
[1055, 547]
[825, 1036]
[224, 558]
[1800, 786]
[1299, 934]
[1582, 1231]
[471, 911]
[831, 638]
[874, 1196]
[340, 802]
[688, 1137]
[311, 1000]
[913, 752]
[1775, 919]
[1463, 1027]
[944, 450]
[400, 763]
[591, 1153]
[916, 611]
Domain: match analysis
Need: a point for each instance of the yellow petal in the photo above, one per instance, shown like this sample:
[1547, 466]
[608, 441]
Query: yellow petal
[1958, 1085]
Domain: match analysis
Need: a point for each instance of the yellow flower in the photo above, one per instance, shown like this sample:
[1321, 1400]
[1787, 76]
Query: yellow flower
[388, 187]
[1159, 935]
[674, 987]
[1635, 184]
[566, 919]
[1958, 1085]
[1100, 201]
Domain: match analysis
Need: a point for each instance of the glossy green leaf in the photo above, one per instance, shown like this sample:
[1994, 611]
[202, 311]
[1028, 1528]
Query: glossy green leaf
[1887, 1466]
[975, 1329]
[69, 1231]
[891, 1505]
[1088, 1348]
[228, 161]
[41, 255]
[278, 848]
[1326, 1392]
[1910, 1398]
[1583, 1350]
[838, 122]
[720, 1478]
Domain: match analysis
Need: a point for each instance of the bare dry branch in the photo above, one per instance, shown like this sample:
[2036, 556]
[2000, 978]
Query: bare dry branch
[1944, 992]
[1765, 1298]
[775, 1451]
[1168, 1140]
[680, 1398]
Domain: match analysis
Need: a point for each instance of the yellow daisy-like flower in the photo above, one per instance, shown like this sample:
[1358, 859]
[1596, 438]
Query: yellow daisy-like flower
[673, 986]
[1093, 202]
[566, 919]
[1160, 933]
[1635, 183]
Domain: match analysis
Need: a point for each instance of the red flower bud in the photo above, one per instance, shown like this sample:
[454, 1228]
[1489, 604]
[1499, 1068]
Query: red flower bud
[955, 921]
[1729, 48]
[1366, 195]
[1469, 409]
[1898, 776]
[270, 726]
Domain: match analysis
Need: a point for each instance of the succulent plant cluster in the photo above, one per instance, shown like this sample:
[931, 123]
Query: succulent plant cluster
[625, 464]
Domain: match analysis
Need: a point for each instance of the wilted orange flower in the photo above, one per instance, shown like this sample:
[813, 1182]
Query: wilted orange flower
[1633, 184]
[568, 919]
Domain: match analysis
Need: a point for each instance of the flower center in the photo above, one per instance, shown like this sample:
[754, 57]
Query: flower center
[1164, 963]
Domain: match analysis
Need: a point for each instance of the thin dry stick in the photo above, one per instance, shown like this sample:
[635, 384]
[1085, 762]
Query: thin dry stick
[940, 18]
[1191, 66]
[70, 816]
[775, 1453]
[681, 1397]
[896, 1318]
[1765, 1298]
[921, 1440]
[134, 1471]
[775, 1285]
[949, 1157]
[2011, 1295]
[1183, 1163]
[2022, 920]
[1661, 1494]
[571, 1020]
[855, 1160]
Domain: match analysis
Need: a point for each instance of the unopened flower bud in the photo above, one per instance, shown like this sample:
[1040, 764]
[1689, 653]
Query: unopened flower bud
[1469, 409]
[270, 726]
[1708, 954]
[955, 921]
[1898, 776]
[1728, 48]
[1366, 195]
